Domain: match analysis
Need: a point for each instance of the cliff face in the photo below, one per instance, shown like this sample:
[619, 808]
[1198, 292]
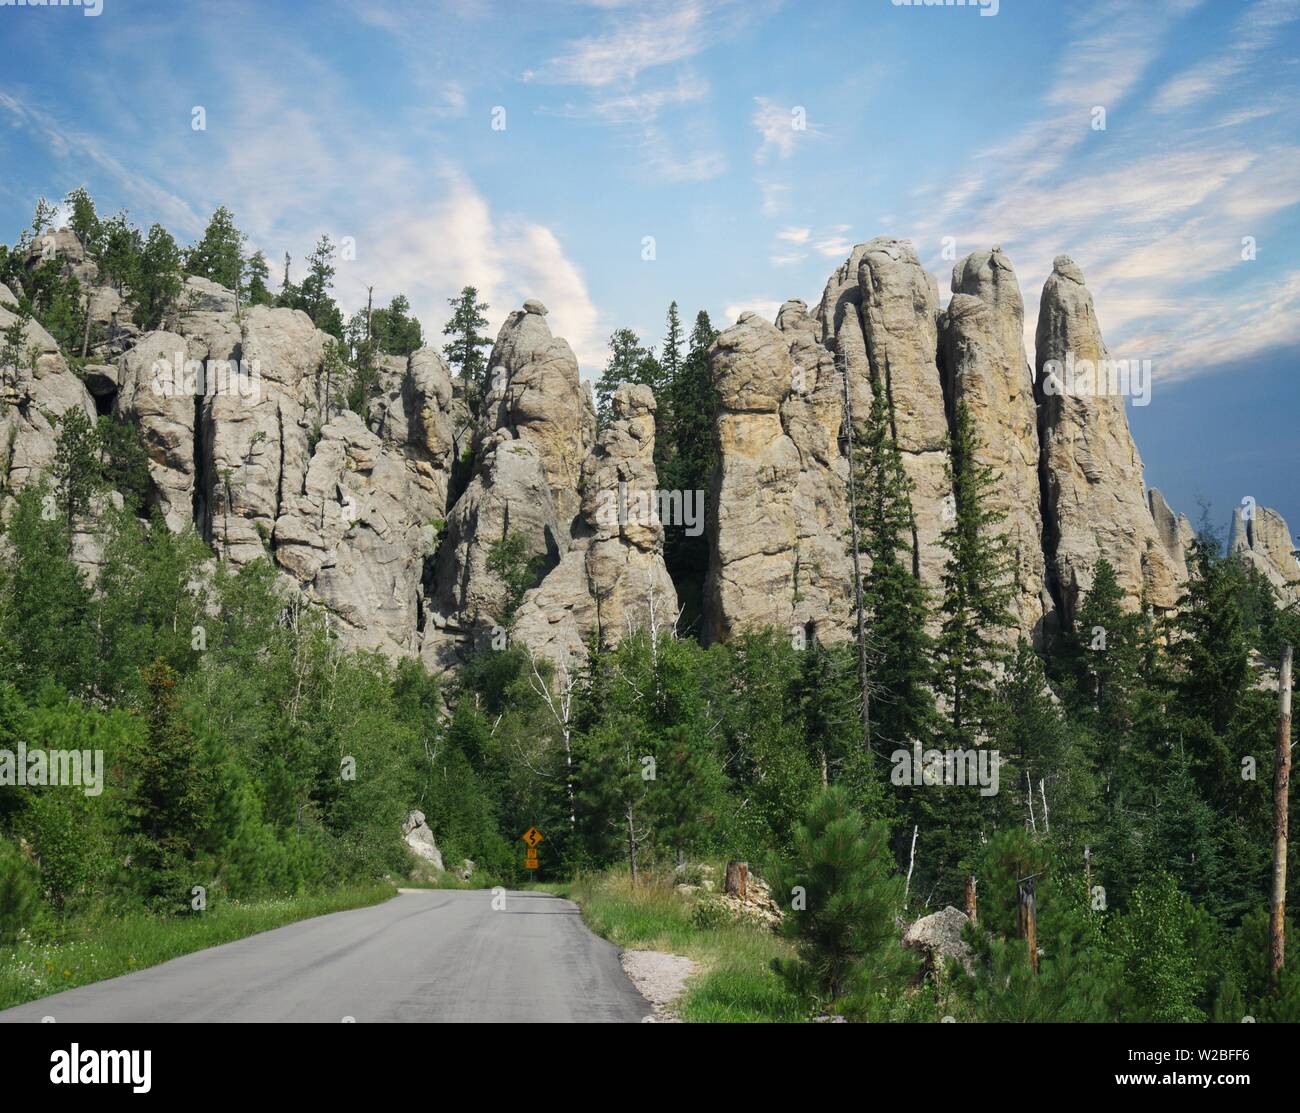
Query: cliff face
[390, 522]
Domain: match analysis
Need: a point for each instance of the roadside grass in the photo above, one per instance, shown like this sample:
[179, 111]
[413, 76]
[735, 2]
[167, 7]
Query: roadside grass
[735, 982]
[93, 949]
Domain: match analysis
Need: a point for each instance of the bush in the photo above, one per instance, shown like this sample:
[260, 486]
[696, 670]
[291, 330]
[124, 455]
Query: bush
[21, 907]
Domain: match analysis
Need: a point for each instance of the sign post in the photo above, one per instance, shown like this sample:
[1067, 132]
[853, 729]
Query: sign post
[531, 838]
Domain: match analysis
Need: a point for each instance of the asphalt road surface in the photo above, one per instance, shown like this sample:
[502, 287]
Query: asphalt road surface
[430, 955]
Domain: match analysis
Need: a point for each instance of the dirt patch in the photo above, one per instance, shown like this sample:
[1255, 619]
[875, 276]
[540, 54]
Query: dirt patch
[660, 978]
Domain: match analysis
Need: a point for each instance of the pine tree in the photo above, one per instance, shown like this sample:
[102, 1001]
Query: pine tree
[76, 469]
[219, 255]
[629, 362]
[464, 351]
[976, 589]
[171, 792]
[259, 274]
[120, 247]
[157, 284]
[314, 294]
[84, 221]
[898, 651]
[394, 330]
[839, 894]
[43, 217]
[689, 464]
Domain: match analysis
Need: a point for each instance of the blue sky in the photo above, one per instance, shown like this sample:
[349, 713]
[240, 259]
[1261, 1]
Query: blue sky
[674, 120]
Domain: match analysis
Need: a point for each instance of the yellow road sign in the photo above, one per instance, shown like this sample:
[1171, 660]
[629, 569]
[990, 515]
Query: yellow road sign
[532, 836]
[532, 864]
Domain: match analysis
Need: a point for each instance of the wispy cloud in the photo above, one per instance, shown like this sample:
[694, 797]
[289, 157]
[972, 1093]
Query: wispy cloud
[1254, 31]
[781, 127]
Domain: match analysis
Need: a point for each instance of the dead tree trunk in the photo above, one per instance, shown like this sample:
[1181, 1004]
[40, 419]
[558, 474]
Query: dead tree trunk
[1029, 920]
[1281, 791]
[970, 897]
[737, 880]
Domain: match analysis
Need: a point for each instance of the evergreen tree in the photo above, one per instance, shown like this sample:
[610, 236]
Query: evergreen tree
[629, 362]
[171, 793]
[259, 273]
[976, 589]
[76, 469]
[84, 221]
[394, 330]
[156, 284]
[840, 896]
[898, 651]
[464, 351]
[689, 463]
[120, 248]
[219, 255]
[313, 297]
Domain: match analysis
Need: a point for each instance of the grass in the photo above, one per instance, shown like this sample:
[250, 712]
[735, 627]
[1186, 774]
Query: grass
[735, 982]
[92, 950]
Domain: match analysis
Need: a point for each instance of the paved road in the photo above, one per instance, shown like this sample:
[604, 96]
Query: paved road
[430, 955]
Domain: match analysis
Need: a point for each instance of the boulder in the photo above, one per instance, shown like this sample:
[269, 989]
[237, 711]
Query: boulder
[419, 837]
[938, 937]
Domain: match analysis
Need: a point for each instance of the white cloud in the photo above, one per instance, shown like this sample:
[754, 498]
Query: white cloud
[794, 235]
[764, 307]
[1254, 30]
[781, 127]
[633, 44]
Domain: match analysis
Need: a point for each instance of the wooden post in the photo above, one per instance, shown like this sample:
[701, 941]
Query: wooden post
[1281, 790]
[970, 897]
[737, 880]
[1029, 920]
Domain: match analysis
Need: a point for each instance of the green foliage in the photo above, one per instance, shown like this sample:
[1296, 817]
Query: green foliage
[21, 909]
[510, 561]
[219, 255]
[840, 894]
[464, 351]
[629, 362]
[156, 282]
[258, 273]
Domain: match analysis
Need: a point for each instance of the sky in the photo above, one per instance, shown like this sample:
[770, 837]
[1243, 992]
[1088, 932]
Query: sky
[611, 156]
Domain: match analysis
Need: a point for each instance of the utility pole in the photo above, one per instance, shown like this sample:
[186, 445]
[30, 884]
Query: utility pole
[857, 561]
[1281, 790]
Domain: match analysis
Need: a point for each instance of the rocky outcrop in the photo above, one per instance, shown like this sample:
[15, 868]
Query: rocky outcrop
[613, 579]
[983, 358]
[537, 394]
[1094, 494]
[880, 315]
[389, 519]
[776, 515]
[1262, 538]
